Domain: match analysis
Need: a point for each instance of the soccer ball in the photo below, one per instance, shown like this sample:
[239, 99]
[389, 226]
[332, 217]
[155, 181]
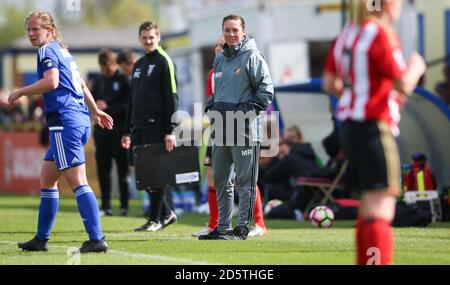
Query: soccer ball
[321, 217]
[271, 204]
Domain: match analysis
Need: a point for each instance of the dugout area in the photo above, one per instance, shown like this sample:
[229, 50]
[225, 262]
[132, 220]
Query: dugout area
[424, 126]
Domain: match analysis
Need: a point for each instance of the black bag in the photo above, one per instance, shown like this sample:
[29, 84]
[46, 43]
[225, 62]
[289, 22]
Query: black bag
[156, 168]
[445, 203]
[285, 211]
[411, 215]
[343, 213]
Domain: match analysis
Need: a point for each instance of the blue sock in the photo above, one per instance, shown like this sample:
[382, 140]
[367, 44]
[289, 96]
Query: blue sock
[88, 207]
[47, 212]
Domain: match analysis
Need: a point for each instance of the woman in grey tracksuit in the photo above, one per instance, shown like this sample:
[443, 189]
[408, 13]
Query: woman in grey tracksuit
[242, 88]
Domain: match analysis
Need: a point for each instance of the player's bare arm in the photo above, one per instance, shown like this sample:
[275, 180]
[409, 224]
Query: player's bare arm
[332, 84]
[415, 69]
[101, 118]
[3, 100]
[48, 83]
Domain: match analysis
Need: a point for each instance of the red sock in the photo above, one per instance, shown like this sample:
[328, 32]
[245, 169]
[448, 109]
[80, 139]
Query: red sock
[374, 242]
[258, 213]
[213, 208]
[359, 241]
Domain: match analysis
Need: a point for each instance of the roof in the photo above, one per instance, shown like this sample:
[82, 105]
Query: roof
[83, 38]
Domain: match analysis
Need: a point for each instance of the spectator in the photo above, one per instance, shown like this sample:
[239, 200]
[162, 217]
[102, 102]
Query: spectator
[301, 148]
[279, 174]
[443, 87]
[126, 60]
[111, 91]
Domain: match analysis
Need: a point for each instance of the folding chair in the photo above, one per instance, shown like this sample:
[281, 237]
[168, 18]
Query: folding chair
[431, 196]
[324, 187]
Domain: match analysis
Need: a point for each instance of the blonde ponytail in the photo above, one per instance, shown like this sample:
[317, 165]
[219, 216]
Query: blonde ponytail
[372, 9]
[47, 22]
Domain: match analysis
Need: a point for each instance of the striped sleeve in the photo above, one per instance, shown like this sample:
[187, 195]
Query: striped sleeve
[330, 65]
[210, 83]
[169, 96]
[173, 81]
[47, 58]
[388, 60]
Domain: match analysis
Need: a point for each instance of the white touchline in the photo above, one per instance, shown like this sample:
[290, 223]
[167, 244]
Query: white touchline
[137, 255]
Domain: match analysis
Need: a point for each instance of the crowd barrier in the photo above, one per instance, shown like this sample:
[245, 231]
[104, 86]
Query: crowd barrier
[21, 157]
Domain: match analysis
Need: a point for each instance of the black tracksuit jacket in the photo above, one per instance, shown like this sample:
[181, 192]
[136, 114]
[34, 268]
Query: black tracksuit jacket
[115, 91]
[154, 94]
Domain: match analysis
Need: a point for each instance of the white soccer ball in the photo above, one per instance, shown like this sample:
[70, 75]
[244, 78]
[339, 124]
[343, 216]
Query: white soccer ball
[271, 204]
[321, 217]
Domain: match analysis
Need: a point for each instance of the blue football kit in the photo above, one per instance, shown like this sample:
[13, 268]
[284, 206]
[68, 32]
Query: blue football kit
[70, 127]
[67, 114]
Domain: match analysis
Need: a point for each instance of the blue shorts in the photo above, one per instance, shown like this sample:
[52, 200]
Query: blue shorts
[67, 146]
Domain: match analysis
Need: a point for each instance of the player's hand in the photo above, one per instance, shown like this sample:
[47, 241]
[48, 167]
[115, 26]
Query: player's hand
[338, 87]
[171, 142]
[125, 142]
[4, 100]
[417, 61]
[101, 104]
[104, 120]
[14, 97]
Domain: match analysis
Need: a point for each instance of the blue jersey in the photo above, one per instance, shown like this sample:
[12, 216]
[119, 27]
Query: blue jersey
[63, 106]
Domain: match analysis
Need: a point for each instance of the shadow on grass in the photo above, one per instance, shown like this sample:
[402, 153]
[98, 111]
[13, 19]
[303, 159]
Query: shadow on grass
[62, 208]
[200, 220]
[134, 211]
[192, 219]
[127, 241]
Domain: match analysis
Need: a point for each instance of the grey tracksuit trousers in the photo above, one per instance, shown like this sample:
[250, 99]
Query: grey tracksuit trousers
[242, 85]
[243, 161]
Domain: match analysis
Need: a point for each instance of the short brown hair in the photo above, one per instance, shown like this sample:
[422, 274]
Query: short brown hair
[288, 143]
[106, 56]
[125, 56]
[148, 26]
[234, 17]
[298, 134]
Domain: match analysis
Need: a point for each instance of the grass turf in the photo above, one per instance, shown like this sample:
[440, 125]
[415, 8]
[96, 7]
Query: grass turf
[289, 242]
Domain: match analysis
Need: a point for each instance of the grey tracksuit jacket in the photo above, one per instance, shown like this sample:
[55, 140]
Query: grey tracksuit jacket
[241, 79]
[242, 82]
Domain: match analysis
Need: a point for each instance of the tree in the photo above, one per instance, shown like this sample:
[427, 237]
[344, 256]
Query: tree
[12, 24]
[105, 13]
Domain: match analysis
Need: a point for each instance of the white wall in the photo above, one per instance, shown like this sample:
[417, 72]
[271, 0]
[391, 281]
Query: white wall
[205, 31]
[278, 21]
[433, 11]
[310, 112]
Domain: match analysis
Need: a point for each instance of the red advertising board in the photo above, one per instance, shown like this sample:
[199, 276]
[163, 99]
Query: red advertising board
[21, 157]
[20, 162]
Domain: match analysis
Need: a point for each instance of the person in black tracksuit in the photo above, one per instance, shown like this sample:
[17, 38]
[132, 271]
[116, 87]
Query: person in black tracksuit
[111, 91]
[153, 102]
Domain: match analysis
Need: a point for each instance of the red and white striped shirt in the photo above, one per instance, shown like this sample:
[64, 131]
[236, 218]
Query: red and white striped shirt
[210, 83]
[368, 61]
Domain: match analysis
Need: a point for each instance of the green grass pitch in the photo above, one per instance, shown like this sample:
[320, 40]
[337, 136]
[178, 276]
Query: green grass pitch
[289, 242]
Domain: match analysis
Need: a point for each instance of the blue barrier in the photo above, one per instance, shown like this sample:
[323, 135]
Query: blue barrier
[438, 102]
[314, 85]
